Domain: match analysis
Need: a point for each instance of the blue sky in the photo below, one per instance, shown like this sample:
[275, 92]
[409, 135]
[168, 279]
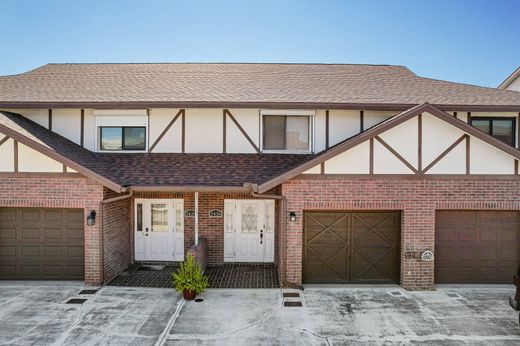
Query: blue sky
[469, 41]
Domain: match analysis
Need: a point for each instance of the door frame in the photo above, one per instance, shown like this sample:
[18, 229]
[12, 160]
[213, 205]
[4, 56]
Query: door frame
[231, 234]
[398, 238]
[175, 217]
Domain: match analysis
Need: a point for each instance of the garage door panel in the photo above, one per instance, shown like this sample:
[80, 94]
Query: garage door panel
[484, 251]
[358, 247]
[52, 234]
[47, 243]
[30, 215]
[7, 234]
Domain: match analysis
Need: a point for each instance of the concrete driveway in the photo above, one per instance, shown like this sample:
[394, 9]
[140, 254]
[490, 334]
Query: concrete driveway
[37, 315]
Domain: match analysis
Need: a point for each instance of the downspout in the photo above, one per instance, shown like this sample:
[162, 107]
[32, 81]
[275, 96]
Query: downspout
[196, 226]
[283, 200]
[101, 252]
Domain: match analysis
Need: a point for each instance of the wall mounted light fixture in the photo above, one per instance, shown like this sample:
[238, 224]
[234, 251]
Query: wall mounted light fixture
[91, 218]
[292, 216]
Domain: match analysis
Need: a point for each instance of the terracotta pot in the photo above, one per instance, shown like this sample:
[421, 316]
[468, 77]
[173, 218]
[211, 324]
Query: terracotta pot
[189, 295]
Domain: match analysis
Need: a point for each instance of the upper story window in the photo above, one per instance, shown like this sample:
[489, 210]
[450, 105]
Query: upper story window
[501, 128]
[122, 130]
[122, 138]
[287, 131]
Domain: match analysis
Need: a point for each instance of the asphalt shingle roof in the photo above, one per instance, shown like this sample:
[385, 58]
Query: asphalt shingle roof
[241, 83]
[153, 169]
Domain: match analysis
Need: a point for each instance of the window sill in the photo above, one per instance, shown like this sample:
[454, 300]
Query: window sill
[302, 152]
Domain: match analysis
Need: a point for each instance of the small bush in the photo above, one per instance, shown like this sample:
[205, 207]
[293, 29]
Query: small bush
[189, 277]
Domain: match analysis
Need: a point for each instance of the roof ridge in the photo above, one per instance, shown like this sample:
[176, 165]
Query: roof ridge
[222, 63]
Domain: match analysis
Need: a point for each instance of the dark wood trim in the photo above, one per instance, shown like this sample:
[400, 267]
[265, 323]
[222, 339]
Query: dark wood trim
[516, 166]
[179, 113]
[50, 119]
[226, 111]
[64, 169]
[444, 153]
[15, 155]
[419, 144]
[39, 175]
[518, 131]
[322, 168]
[82, 129]
[388, 124]
[455, 115]
[224, 131]
[361, 121]
[468, 152]
[4, 140]
[371, 157]
[16, 136]
[406, 176]
[396, 154]
[327, 129]
[280, 105]
[469, 117]
[183, 132]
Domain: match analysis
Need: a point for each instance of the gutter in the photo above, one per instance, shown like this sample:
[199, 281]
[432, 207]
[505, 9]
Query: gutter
[100, 221]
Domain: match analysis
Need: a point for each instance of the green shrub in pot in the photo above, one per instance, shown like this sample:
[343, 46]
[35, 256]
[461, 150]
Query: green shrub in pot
[189, 279]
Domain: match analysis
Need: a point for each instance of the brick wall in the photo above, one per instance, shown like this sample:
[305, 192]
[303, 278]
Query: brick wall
[417, 199]
[60, 191]
[117, 231]
[212, 229]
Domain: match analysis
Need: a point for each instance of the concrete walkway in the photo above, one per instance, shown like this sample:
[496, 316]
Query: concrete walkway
[35, 314]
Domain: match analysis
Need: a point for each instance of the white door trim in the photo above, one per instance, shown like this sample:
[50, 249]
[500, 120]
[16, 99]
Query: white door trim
[247, 245]
[166, 244]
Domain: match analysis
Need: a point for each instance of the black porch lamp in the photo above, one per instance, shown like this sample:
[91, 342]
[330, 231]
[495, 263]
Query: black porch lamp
[91, 218]
[292, 216]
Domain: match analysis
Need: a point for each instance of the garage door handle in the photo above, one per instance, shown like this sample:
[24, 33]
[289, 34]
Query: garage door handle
[261, 235]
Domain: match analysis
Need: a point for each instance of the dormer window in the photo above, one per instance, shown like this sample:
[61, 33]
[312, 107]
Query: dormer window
[287, 131]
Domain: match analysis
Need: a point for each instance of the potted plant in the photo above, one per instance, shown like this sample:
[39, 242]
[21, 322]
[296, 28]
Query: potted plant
[189, 279]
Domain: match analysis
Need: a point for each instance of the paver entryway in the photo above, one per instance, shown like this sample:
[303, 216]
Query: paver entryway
[226, 276]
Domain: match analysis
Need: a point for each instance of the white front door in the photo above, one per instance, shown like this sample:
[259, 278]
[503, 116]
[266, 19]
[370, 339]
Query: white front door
[159, 230]
[249, 231]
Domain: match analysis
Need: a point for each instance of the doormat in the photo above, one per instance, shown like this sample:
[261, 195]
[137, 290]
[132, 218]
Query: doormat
[152, 267]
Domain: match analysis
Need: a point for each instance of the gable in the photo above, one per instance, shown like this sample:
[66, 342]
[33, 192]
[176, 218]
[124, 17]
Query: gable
[420, 141]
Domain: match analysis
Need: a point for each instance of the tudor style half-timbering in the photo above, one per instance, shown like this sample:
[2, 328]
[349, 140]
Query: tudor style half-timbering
[332, 173]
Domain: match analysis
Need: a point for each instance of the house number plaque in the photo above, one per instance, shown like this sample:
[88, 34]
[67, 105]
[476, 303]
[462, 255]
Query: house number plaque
[215, 213]
[189, 213]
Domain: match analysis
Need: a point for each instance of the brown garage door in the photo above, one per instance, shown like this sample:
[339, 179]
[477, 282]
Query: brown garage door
[476, 246]
[41, 243]
[351, 247]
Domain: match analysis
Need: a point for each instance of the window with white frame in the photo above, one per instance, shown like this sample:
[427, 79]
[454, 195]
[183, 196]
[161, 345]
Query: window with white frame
[122, 130]
[287, 131]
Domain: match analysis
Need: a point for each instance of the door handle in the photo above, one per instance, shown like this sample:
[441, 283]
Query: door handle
[261, 235]
[146, 232]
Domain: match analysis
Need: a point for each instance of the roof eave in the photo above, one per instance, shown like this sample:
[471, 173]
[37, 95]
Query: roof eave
[231, 104]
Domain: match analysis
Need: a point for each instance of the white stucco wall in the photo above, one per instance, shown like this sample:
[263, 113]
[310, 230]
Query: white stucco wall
[371, 118]
[159, 120]
[404, 139]
[204, 130]
[6, 155]
[30, 160]
[67, 123]
[249, 120]
[353, 161]
[343, 124]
